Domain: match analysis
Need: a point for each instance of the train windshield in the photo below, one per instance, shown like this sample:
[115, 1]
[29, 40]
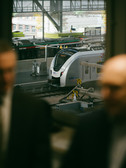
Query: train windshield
[62, 57]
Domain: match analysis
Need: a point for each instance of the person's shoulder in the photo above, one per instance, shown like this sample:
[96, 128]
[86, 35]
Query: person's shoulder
[93, 118]
[28, 98]
[93, 114]
[33, 107]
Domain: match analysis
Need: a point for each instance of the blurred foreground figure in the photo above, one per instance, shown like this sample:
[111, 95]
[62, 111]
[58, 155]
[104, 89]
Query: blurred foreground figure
[100, 141]
[24, 125]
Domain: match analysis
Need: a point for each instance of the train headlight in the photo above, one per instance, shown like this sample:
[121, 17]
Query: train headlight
[61, 74]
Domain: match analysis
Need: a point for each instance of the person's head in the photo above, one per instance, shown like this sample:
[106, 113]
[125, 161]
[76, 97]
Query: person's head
[113, 85]
[7, 67]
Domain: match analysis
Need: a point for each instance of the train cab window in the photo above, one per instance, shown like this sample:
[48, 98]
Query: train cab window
[62, 57]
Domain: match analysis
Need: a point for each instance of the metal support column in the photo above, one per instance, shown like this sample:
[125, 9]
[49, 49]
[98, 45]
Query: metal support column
[116, 28]
[61, 16]
[6, 8]
[43, 25]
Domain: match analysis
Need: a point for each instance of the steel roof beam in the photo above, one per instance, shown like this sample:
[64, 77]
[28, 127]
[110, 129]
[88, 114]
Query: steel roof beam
[69, 5]
[47, 14]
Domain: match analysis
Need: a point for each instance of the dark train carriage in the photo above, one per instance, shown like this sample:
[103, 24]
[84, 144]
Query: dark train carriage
[31, 49]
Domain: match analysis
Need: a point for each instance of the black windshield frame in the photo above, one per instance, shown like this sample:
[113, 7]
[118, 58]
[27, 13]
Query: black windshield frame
[62, 56]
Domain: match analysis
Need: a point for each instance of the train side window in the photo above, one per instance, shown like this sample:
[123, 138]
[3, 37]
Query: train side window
[86, 69]
[93, 69]
[98, 70]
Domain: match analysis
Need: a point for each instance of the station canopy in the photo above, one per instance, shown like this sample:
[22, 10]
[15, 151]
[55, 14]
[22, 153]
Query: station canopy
[28, 6]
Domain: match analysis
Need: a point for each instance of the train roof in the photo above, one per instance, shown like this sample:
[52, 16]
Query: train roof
[91, 52]
[81, 49]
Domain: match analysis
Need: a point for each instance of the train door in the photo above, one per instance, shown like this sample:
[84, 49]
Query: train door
[85, 73]
[93, 73]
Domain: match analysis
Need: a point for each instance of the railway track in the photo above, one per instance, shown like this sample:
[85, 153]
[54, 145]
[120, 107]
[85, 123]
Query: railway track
[36, 87]
[52, 93]
[43, 89]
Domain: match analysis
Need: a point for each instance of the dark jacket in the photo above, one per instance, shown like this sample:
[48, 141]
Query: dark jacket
[90, 146]
[29, 143]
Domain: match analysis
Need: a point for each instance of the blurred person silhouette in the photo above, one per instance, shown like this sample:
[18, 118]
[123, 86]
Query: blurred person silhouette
[100, 140]
[24, 122]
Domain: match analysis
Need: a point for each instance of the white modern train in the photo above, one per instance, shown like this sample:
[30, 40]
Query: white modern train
[66, 67]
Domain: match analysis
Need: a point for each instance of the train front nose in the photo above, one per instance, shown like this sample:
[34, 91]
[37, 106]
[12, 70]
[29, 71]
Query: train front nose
[54, 81]
[55, 78]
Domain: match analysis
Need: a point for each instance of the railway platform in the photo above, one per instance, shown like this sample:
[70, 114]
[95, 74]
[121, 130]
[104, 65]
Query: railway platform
[31, 83]
[27, 77]
[24, 70]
